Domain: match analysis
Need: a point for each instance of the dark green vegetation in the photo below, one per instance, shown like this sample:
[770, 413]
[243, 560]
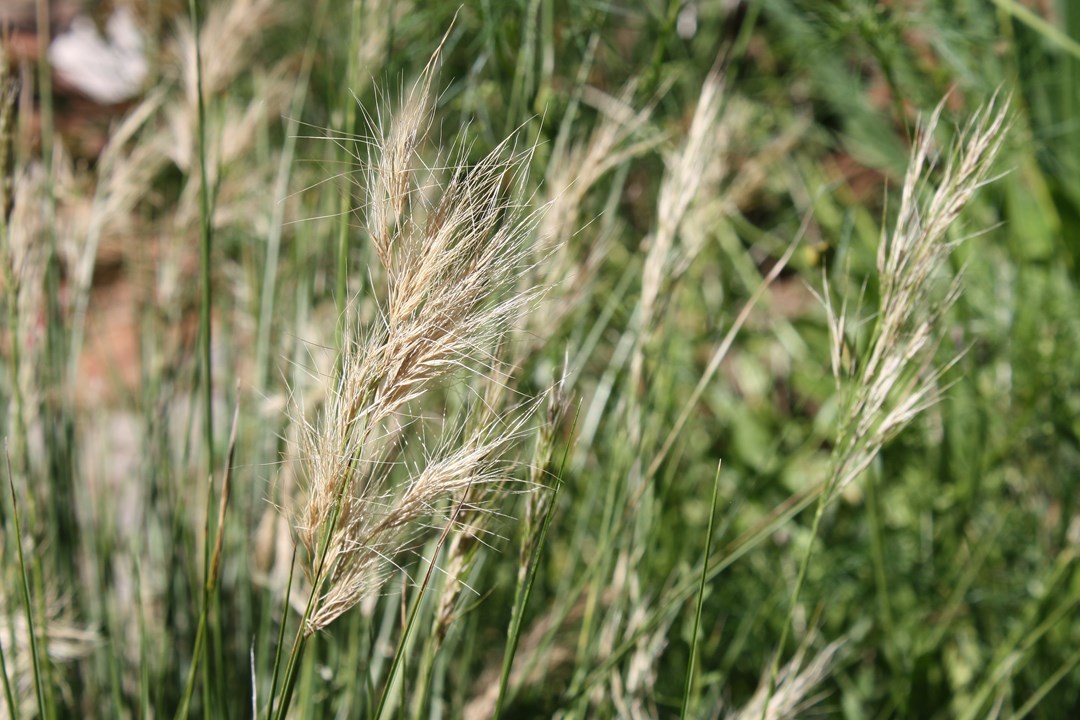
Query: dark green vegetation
[943, 580]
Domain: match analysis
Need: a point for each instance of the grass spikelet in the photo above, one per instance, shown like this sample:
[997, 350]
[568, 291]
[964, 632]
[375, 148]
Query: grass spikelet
[391, 178]
[576, 168]
[378, 524]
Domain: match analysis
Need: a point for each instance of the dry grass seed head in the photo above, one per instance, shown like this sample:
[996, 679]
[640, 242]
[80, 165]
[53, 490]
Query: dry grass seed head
[451, 267]
[899, 377]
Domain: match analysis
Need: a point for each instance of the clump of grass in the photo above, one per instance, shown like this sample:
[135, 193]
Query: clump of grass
[668, 207]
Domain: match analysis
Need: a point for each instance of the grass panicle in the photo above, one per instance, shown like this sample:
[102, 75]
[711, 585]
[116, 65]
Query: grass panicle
[900, 376]
[451, 264]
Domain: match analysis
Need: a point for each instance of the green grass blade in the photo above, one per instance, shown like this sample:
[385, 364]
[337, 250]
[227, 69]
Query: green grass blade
[28, 606]
[281, 635]
[1052, 34]
[701, 597]
[1046, 687]
[205, 245]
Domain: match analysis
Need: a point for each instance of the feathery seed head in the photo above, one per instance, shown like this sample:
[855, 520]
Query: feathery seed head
[898, 378]
[451, 266]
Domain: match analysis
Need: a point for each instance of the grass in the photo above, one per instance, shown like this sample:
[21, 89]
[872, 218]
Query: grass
[489, 294]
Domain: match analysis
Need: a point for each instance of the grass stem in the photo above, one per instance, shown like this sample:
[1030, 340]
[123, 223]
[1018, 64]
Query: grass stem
[687, 692]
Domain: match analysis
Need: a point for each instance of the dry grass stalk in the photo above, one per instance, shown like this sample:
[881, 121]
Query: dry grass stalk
[539, 501]
[9, 278]
[682, 185]
[633, 690]
[25, 270]
[563, 261]
[474, 526]
[450, 267]
[461, 556]
[899, 377]
[9, 94]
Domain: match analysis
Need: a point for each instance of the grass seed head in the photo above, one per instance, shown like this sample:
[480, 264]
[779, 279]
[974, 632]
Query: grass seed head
[451, 267]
